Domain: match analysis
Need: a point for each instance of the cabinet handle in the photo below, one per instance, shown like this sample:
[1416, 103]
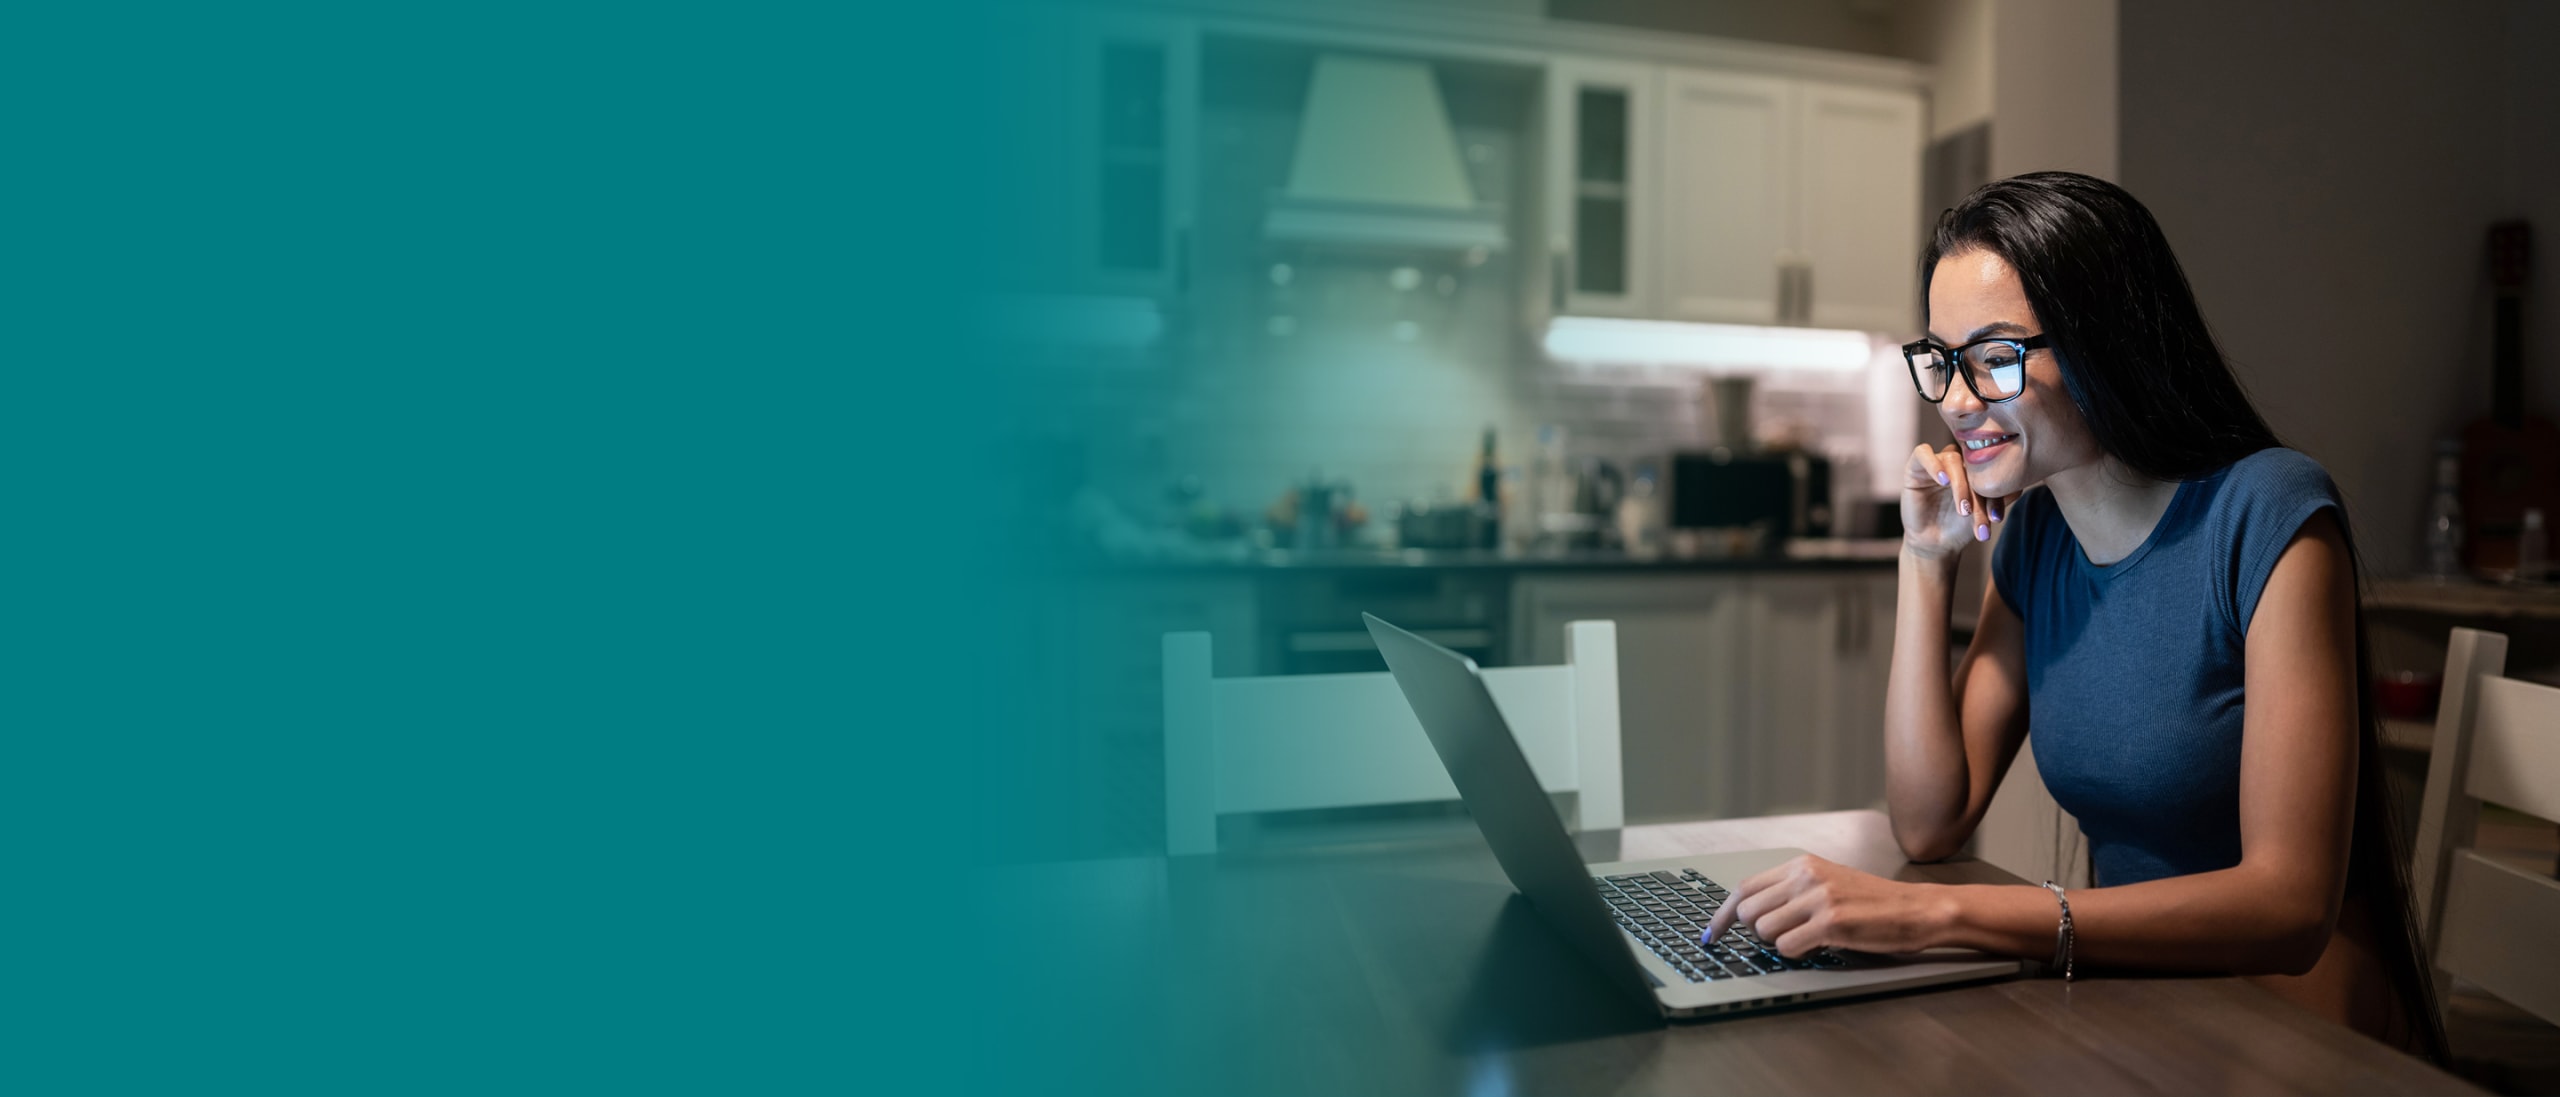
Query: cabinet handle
[1786, 293]
[1804, 292]
[1557, 284]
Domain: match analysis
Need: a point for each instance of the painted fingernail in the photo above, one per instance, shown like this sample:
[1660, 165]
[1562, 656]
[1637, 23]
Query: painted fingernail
[1992, 509]
[1942, 479]
[1964, 506]
[1981, 533]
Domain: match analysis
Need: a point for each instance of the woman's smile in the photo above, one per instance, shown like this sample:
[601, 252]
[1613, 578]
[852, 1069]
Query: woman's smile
[1984, 447]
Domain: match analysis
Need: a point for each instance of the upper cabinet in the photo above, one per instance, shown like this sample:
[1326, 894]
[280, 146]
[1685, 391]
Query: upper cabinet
[1106, 122]
[1694, 194]
[1729, 214]
[1859, 232]
[1674, 179]
[1136, 94]
[1601, 187]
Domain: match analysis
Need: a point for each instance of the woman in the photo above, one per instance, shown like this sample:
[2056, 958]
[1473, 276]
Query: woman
[2173, 612]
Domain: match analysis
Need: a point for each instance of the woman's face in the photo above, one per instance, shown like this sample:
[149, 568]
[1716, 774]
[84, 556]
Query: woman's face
[1975, 295]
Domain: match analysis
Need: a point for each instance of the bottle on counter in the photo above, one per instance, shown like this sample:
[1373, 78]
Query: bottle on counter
[1488, 495]
[1552, 491]
[1639, 516]
[2444, 518]
[1518, 525]
[2533, 548]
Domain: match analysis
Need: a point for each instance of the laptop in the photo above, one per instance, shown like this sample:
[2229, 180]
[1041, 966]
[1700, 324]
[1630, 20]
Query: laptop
[1637, 920]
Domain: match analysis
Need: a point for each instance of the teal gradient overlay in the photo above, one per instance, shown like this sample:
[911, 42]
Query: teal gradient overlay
[539, 560]
[491, 547]
[1121, 464]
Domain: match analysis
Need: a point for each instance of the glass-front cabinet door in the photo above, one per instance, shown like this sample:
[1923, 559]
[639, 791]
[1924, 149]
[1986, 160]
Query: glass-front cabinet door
[1135, 90]
[1601, 187]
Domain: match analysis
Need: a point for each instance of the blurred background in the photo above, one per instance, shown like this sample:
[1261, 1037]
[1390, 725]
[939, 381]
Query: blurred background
[583, 502]
[1485, 315]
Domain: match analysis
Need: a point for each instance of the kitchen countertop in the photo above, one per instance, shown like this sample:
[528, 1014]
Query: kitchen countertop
[2466, 598]
[1800, 555]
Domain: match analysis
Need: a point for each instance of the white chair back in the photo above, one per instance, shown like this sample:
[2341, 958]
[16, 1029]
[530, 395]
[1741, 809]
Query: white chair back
[1236, 745]
[2497, 739]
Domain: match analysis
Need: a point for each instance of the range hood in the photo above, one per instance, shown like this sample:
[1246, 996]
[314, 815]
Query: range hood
[1377, 165]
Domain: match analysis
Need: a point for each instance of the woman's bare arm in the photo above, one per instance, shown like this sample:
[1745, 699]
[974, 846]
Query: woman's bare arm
[2273, 913]
[2275, 910]
[1947, 740]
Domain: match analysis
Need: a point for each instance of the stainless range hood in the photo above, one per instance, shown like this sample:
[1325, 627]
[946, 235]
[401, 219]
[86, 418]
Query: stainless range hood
[1377, 165]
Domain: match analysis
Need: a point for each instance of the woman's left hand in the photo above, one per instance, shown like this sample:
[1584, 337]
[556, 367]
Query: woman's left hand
[1810, 903]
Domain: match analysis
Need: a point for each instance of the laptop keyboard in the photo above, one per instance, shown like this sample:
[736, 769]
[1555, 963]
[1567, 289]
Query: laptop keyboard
[1667, 910]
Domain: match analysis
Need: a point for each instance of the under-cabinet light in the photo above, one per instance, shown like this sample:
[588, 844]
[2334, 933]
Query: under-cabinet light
[1596, 340]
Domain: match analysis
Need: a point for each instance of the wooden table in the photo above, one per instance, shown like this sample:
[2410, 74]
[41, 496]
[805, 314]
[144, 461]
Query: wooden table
[1411, 966]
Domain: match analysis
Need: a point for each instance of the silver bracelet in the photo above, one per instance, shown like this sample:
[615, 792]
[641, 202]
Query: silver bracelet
[2061, 934]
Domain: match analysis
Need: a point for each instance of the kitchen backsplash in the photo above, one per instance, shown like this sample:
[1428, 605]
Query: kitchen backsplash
[1402, 422]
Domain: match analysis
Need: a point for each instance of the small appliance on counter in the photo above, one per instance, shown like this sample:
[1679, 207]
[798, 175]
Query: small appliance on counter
[1784, 494]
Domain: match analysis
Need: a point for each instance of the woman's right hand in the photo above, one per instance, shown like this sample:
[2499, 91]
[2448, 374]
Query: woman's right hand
[1940, 513]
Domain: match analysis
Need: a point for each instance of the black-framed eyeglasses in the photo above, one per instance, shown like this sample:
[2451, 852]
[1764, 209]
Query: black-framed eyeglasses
[1995, 369]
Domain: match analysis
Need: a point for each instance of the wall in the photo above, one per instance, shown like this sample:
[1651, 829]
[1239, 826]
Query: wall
[2530, 187]
[1953, 36]
[2044, 70]
[2054, 92]
[2326, 172]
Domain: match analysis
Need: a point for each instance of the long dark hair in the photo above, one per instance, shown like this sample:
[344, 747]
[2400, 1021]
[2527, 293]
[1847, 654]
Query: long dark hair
[2143, 369]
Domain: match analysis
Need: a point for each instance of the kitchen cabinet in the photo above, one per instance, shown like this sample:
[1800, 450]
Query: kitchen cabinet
[1682, 703]
[1312, 623]
[1728, 233]
[1697, 194]
[1859, 231]
[1820, 649]
[1601, 186]
[1108, 126]
[1136, 92]
[1738, 695]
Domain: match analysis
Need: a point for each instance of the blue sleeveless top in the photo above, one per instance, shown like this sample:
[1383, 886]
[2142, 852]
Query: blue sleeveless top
[2134, 670]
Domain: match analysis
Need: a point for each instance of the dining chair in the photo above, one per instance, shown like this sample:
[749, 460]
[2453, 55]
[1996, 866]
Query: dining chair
[2497, 740]
[1289, 743]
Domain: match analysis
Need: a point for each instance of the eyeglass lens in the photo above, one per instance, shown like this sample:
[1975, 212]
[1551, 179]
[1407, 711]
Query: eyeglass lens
[1997, 369]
